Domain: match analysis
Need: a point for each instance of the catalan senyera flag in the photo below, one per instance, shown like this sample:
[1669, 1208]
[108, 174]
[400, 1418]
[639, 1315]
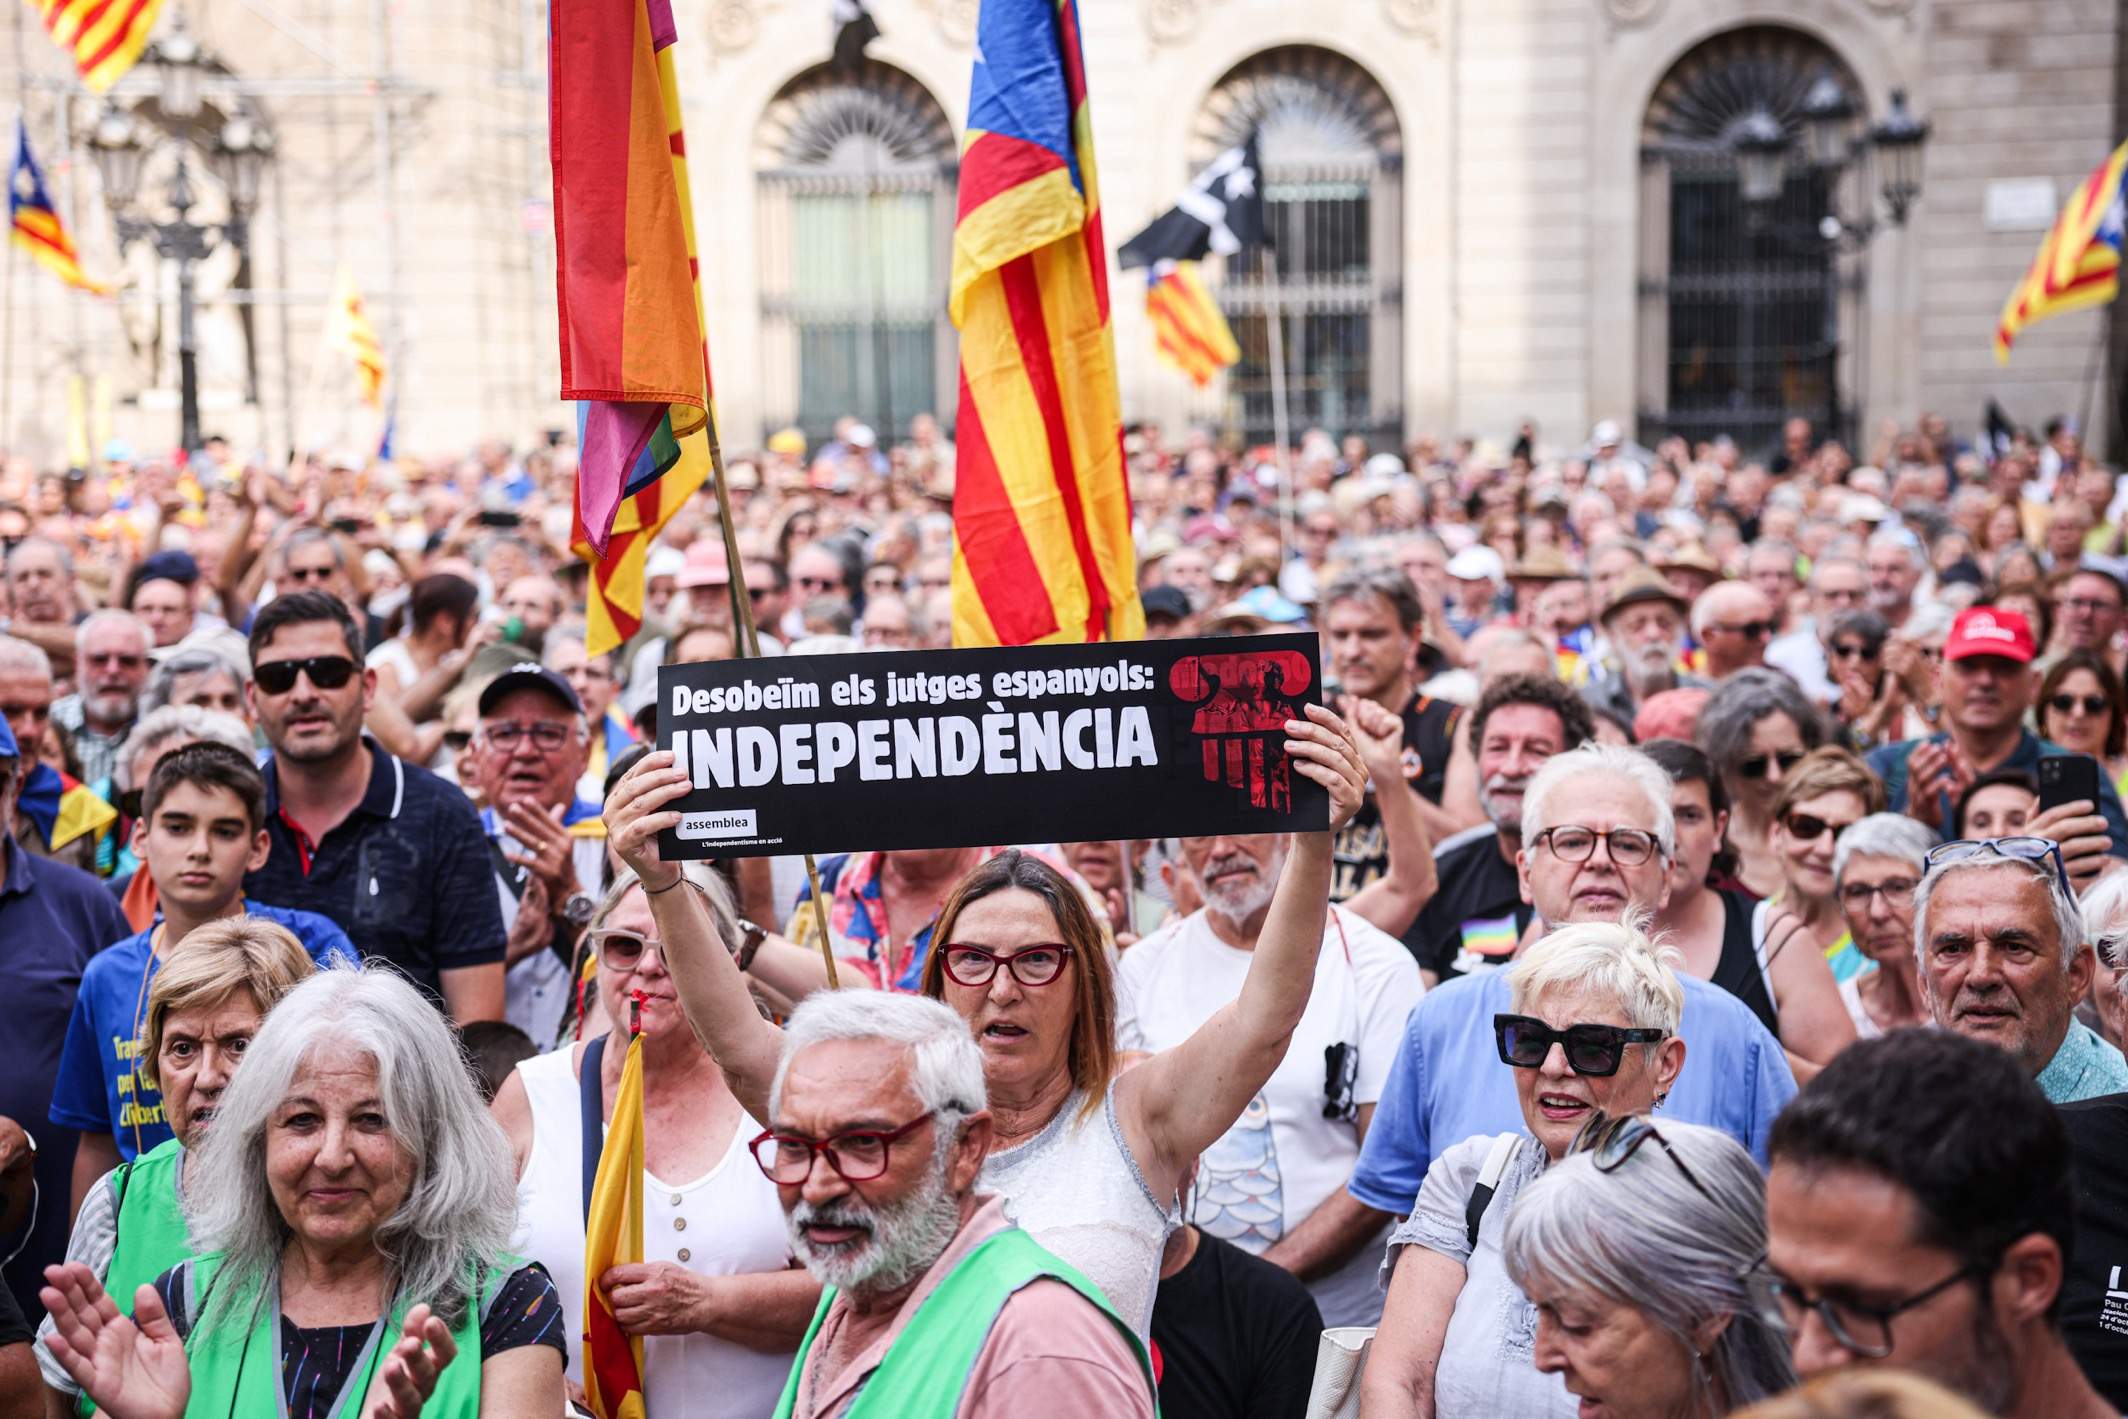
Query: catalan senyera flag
[103, 37]
[1041, 510]
[62, 807]
[1188, 330]
[349, 331]
[34, 223]
[632, 345]
[2079, 259]
[613, 1235]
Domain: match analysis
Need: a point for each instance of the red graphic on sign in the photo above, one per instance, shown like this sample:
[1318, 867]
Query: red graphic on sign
[1242, 701]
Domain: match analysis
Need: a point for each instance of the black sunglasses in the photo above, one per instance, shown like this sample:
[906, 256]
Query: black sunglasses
[1853, 652]
[1525, 1043]
[1756, 765]
[1751, 630]
[2064, 704]
[327, 672]
[1806, 827]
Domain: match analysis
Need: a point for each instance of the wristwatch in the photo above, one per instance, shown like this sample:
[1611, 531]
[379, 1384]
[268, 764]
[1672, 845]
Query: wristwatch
[750, 939]
[577, 909]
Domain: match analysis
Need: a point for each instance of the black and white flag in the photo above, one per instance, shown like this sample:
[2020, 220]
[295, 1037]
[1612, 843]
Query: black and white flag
[1220, 213]
[854, 29]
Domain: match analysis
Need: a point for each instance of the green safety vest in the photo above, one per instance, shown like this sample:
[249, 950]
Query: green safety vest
[150, 1230]
[927, 1368]
[238, 1372]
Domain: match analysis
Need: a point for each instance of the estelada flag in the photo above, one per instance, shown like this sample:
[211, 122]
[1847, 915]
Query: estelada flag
[1041, 510]
[349, 331]
[2079, 259]
[33, 223]
[1188, 330]
[613, 1235]
[632, 346]
[103, 37]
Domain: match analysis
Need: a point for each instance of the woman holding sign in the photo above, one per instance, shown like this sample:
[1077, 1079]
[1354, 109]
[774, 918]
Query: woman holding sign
[1091, 1160]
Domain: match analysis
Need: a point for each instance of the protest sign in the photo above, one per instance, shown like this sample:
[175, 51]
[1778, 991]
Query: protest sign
[978, 748]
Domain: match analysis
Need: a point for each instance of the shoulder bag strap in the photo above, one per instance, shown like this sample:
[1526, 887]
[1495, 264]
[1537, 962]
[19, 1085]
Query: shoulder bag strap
[593, 1096]
[1481, 1196]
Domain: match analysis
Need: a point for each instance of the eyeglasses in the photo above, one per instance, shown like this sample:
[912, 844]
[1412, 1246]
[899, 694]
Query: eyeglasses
[620, 948]
[1859, 1329]
[2086, 603]
[457, 739]
[1898, 892]
[1756, 766]
[326, 672]
[117, 658]
[2022, 849]
[1609, 1142]
[1629, 847]
[857, 1156]
[2068, 704]
[546, 735]
[1030, 965]
[818, 583]
[1853, 652]
[1752, 630]
[1808, 827]
[1526, 1042]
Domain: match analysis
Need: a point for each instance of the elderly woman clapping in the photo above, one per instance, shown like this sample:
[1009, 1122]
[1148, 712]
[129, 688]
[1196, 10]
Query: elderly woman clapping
[1091, 1161]
[351, 1206]
[1634, 1251]
[1593, 1029]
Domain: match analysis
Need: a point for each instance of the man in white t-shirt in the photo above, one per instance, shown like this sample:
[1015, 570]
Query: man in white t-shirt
[1274, 1184]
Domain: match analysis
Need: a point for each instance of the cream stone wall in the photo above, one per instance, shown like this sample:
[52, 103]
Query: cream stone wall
[1520, 123]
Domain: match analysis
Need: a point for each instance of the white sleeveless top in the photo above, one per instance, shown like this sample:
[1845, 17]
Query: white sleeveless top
[725, 1223]
[1075, 1188]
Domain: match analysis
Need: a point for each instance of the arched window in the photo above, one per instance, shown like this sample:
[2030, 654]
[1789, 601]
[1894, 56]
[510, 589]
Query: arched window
[1741, 311]
[1333, 162]
[856, 172]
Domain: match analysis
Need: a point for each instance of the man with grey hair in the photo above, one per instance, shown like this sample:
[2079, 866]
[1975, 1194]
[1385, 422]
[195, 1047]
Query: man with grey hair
[110, 654]
[1896, 560]
[1598, 838]
[1732, 621]
[937, 1306]
[2005, 959]
[55, 815]
[1838, 584]
[40, 591]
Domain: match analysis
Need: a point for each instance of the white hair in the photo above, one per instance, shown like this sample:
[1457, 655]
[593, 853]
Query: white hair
[18, 654]
[110, 616]
[1905, 541]
[2105, 909]
[946, 1065]
[191, 723]
[461, 1204]
[1882, 835]
[2068, 917]
[40, 544]
[192, 660]
[1614, 760]
[1613, 958]
[1703, 609]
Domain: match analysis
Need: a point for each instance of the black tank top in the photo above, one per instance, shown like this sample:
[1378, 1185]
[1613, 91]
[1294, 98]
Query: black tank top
[1738, 971]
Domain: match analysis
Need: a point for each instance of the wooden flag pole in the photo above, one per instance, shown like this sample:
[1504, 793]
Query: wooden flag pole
[749, 646]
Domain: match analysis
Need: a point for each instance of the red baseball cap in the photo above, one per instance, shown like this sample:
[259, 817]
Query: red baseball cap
[1990, 630]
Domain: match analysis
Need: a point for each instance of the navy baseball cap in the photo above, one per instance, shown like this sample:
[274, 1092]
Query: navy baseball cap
[167, 566]
[1165, 601]
[529, 675]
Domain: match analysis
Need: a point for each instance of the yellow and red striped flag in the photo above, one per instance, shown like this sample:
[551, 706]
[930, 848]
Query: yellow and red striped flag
[103, 37]
[1188, 330]
[633, 349]
[613, 1236]
[2079, 260]
[1041, 510]
[34, 223]
[349, 331]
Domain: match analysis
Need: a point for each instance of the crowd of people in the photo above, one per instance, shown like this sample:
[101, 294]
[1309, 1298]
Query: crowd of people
[1704, 998]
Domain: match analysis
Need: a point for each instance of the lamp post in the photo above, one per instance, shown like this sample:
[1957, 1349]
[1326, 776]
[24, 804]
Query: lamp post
[177, 115]
[1831, 142]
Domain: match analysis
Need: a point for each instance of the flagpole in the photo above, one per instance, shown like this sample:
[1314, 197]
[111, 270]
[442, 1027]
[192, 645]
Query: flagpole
[2091, 370]
[750, 647]
[1279, 425]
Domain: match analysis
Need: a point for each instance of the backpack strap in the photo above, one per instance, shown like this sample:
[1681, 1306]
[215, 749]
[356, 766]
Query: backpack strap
[1481, 1196]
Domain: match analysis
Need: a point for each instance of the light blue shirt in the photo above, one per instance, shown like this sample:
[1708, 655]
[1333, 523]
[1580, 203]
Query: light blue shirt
[1448, 1083]
[2085, 1067]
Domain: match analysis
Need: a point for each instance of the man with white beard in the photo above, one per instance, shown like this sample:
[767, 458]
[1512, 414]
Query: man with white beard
[1644, 623]
[1274, 1183]
[1477, 913]
[936, 1306]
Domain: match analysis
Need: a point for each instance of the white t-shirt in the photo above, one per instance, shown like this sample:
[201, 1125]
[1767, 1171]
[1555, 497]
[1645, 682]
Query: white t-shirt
[1282, 1158]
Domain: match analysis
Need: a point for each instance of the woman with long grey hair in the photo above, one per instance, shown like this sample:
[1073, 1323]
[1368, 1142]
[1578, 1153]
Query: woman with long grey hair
[1634, 1249]
[1756, 727]
[352, 1194]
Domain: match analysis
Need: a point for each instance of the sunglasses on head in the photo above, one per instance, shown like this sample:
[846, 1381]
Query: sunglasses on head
[327, 672]
[2024, 849]
[1808, 827]
[2068, 704]
[1757, 764]
[1612, 1142]
[1526, 1042]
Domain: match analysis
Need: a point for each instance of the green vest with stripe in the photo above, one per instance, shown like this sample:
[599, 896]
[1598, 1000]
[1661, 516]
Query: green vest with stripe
[236, 1364]
[149, 1236]
[926, 1370]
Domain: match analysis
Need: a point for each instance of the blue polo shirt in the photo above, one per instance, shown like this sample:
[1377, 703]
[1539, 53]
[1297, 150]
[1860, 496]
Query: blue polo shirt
[406, 875]
[53, 920]
[1889, 762]
[97, 1090]
[1448, 1083]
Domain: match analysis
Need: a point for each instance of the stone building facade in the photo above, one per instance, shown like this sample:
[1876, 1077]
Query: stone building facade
[1488, 210]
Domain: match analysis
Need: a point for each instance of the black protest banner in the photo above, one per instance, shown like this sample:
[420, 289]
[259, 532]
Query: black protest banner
[977, 748]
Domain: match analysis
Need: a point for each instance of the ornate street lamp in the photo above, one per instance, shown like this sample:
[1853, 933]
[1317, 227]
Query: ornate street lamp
[1899, 140]
[1761, 146]
[1828, 122]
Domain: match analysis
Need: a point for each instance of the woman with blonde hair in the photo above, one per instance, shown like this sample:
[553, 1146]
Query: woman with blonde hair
[1864, 1393]
[206, 1004]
